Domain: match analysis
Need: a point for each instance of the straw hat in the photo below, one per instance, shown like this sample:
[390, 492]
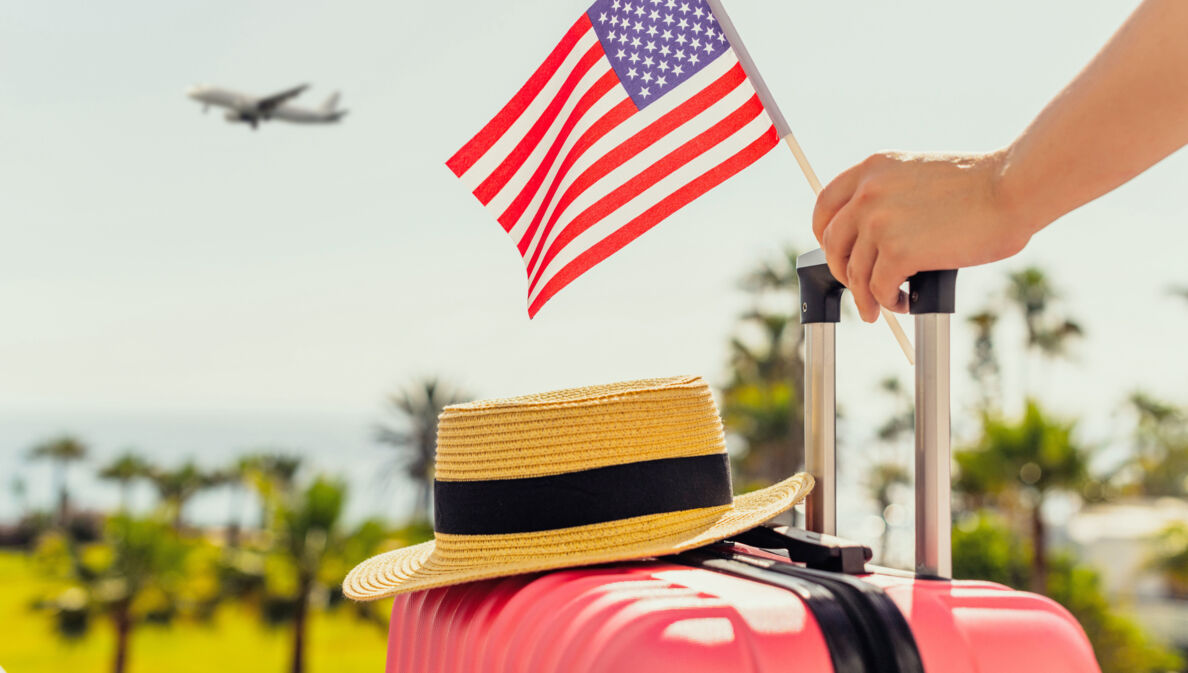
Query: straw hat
[575, 477]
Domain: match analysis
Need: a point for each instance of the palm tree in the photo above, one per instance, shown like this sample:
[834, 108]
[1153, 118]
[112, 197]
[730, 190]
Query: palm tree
[61, 451]
[273, 476]
[1032, 292]
[124, 470]
[1018, 463]
[1159, 464]
[416, 444]
[984, 368]
[763, 399]
[139, 576]
[309, 526]
[176, 487]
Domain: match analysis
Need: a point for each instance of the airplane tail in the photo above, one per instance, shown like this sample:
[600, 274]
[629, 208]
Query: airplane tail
[331, 103]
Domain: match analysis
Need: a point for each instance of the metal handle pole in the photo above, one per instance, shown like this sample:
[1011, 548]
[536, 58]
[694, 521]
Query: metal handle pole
[820, 453]
[932, 299]
[933, 518]
[820, 311]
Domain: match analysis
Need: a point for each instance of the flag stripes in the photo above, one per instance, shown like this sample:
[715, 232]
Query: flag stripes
[574, 168]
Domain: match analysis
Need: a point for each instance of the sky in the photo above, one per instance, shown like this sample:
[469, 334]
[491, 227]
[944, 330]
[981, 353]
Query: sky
[190, 287]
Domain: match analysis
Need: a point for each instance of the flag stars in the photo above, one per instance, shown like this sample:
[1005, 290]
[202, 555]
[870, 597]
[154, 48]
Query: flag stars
[663, 66]
[721, 36]
[677, 70]
[681, 39]
[667, 35]
[622, 38]
[664, 50]
[654, 15]
[616, 5]
[647, 76]
[644, 93]
[652, 31]
[680, 54]
[660, 81]
[697, 28]
[668, 19]
[696, 43]
[626, 9]
[634, 58]
[671, 4]
[638, 26]
[709, 47]
[693, 60]
[632, 73]
[621, 55]
[651, 46]
[683, 25]
[602, 18]
[635, 42]
[684, 7]
[639, 11]
[648, 62]
[698, 13]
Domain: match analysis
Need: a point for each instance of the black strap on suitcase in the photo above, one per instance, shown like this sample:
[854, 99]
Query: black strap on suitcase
[863, 629]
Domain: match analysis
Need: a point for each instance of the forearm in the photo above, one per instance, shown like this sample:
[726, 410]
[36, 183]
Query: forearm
[1127, 110]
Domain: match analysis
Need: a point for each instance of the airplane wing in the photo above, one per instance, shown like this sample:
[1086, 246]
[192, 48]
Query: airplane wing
[269, 103]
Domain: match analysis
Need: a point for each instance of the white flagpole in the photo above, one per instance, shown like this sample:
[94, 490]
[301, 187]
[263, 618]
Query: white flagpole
[785, 132]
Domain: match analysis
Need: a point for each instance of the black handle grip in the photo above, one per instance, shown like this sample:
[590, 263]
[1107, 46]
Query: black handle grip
[820, 292]
[933, 292]
[815, 550]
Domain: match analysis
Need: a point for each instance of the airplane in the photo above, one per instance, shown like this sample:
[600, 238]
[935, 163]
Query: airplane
[253, 110]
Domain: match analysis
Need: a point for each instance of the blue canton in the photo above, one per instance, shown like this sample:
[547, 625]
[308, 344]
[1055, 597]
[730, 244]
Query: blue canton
[654, 45]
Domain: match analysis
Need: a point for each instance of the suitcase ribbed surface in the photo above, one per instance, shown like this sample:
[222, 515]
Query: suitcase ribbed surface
[656, 616]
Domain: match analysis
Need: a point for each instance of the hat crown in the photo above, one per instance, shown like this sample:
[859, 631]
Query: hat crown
[578, 429]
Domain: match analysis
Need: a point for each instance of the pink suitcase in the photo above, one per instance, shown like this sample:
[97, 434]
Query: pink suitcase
[770, 599]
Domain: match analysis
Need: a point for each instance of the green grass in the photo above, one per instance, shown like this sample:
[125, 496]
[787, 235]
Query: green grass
[234, 642]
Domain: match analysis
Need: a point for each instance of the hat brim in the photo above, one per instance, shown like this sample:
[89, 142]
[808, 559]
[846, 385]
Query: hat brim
[472, 558]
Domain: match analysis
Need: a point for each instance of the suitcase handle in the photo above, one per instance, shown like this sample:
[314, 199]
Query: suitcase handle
[814, 550]
[931, 299]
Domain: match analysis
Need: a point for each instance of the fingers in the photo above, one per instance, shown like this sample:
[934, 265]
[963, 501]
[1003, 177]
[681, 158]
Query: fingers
[859, 269]
[833, 198]
[838, 240]
[885, 280]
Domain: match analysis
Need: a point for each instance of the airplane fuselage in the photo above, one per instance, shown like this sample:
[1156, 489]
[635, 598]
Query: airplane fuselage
[252, 110]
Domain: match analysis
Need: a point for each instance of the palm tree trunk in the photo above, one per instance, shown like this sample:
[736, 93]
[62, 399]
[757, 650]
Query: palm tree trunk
[123, 631]
[63, 498]
[125, 488]
[300, 621]
[1039, 557]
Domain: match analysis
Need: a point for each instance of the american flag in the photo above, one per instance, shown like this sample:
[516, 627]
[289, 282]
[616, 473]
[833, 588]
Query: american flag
[642, 107]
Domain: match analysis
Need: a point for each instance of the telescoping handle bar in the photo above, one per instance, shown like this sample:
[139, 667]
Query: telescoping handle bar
[931, 301]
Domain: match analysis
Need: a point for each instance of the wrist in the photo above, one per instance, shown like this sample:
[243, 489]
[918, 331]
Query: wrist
[1014, 196]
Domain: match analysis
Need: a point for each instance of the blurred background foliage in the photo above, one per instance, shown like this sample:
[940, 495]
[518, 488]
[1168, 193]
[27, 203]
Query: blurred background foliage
[149, 591]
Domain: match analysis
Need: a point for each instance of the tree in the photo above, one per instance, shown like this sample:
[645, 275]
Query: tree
[984, 368]
[124, 470]
[1171, 559]
[1159, 463]
[309, 530]
[176, 487]
[1017, 464]
[415, 441]
[61, 451]
[764, 397]
[135, 574]
[1033, 294]
[985, 548]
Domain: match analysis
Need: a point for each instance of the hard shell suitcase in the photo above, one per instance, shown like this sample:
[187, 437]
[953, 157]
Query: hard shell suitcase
[769, 599]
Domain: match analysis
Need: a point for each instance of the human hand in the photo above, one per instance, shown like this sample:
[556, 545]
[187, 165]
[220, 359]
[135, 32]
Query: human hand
[895, 214]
